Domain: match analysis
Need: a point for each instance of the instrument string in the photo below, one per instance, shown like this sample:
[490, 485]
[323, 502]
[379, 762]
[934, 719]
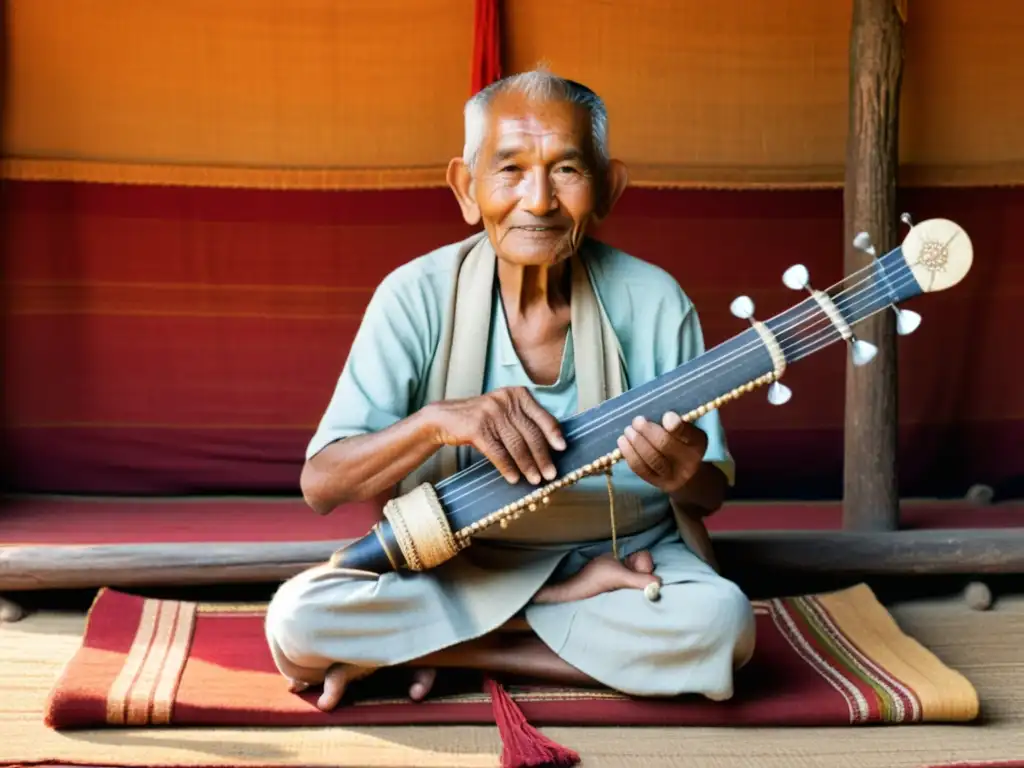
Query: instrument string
[847, 300]
[798, 324]
[808, 347]
[844, 299]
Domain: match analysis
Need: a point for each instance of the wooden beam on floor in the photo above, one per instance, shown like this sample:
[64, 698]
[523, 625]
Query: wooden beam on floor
[870, 492]
[824, 553]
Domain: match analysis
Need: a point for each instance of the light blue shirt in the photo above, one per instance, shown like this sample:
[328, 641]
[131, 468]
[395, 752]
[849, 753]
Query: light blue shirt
[384, 379]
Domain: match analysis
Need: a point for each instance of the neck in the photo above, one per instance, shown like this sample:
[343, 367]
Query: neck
[525, 289]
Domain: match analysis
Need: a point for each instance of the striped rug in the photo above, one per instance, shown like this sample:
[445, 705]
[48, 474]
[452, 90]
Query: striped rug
[830, 659]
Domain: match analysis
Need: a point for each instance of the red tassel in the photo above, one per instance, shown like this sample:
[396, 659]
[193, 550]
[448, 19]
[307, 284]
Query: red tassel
[522, 744]
[487, 51]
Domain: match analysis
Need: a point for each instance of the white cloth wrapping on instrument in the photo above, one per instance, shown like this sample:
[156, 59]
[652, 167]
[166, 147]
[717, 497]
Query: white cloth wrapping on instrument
[689, 641]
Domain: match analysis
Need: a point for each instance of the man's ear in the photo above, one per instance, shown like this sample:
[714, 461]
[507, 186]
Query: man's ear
[461, 182]
[615, 181]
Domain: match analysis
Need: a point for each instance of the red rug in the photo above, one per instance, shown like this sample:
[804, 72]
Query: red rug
[831, 659]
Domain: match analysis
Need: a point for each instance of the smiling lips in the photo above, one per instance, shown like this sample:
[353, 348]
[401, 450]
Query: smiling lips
[540, 229]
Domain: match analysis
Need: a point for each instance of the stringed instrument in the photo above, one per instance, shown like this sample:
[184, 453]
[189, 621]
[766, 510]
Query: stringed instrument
[431, 524]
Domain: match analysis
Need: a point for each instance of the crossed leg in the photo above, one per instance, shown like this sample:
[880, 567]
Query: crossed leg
[509, 652]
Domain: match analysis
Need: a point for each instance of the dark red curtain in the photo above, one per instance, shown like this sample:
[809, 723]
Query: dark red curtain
[486, 44]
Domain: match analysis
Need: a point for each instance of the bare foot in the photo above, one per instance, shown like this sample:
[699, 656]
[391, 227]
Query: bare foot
[602, 574]
[340, 675]
[337, 680]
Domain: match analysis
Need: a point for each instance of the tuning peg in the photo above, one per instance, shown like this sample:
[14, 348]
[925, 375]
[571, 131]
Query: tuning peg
[796, 278]
[862, 242]
[862, 352]
[742, 307]
[906, 321]
[779, 393]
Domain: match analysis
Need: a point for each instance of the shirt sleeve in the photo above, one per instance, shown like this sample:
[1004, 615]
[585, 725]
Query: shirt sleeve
[690, 339]
[386, 364]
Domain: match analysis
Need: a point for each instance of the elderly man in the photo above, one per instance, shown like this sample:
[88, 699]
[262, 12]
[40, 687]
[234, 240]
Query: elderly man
[557, 323]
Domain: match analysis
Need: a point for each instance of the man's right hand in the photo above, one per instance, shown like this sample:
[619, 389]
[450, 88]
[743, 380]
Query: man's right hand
[508, 426]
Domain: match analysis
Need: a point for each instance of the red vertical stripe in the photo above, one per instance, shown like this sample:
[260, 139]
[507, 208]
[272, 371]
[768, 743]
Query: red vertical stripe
[486, 44]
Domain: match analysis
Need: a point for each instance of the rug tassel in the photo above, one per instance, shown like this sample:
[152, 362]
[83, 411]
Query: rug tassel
[523, 745]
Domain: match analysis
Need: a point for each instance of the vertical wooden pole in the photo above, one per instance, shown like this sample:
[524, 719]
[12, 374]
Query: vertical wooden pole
[871, 492]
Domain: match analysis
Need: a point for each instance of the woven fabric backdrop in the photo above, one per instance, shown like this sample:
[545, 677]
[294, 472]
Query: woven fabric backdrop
[176, 339]
[181, 333]
[368, 93]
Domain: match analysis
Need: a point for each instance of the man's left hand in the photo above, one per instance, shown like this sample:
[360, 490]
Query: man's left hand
[666, 455]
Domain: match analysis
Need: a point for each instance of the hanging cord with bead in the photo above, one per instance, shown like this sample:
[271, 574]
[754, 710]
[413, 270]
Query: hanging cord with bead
[653, 590]
[611, 511]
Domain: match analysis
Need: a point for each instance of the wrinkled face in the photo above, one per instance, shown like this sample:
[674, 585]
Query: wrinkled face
[535, 181]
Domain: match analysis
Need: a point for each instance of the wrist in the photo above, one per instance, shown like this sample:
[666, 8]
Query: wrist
[704, 491]
[427, 426]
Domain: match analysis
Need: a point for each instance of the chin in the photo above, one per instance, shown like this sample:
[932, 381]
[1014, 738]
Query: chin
[540, 255]
[535, 259]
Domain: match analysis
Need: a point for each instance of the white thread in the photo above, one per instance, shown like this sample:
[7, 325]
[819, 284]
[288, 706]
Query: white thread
[833, 314]
[774, 348]
[421, 528]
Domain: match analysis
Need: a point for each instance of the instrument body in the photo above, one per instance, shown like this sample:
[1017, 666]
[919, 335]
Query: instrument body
[432, 523]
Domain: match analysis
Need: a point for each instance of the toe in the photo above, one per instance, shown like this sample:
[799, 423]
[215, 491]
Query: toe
[422, 682]
[641, 562]
[334, 688]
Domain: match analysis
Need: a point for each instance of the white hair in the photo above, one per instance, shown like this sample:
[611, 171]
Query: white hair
[535, 84]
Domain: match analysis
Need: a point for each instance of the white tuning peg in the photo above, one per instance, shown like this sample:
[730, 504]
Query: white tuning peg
[862, 242]
[779, 393]
[742, 307]
[863, 352]
[906, 321]
[796, 277]
[905, 218]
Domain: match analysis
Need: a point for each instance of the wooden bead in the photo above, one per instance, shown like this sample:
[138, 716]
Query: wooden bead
[978, 596]
[980, 494]
[10, 612]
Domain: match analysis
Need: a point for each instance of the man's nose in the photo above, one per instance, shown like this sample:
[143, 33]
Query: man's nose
[539, 195]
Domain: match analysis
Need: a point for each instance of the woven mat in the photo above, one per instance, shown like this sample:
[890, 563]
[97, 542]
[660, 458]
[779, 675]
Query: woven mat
[985, 646]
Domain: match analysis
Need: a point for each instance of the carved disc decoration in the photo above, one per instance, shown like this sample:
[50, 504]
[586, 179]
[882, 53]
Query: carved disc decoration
[939, 253]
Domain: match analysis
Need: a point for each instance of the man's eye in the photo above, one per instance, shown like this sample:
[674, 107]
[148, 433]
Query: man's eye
[567, 169]
[510, 169]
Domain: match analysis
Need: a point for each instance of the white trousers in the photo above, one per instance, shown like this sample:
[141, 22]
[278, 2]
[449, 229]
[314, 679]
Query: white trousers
[690, 641]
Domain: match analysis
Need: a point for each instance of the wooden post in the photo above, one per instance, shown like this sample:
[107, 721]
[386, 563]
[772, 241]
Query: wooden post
[871, 492]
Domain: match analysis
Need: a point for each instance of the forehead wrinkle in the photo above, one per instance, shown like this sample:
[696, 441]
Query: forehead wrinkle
[516, 141]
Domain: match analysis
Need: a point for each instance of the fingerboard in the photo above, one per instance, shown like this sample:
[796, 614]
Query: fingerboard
[805, 328]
